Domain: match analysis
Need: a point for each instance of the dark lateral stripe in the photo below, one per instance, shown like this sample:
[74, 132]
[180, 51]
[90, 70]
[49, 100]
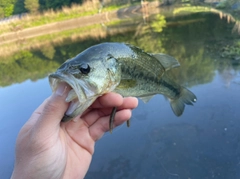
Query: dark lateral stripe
[136, 74]
[170, 87]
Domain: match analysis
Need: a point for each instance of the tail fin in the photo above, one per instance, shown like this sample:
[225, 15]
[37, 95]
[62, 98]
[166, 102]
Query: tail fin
[178, 104]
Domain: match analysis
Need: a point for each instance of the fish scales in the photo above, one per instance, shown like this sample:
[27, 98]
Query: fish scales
[122, 68]
[146, 70]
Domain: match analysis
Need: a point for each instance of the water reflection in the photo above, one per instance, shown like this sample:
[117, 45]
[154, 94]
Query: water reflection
[203, 143]
[158, 35]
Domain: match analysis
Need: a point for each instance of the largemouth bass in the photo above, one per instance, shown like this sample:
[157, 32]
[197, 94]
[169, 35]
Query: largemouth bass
[121, 68]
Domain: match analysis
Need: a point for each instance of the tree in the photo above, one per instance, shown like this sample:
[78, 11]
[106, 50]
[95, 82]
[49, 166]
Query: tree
[1, 13]
[19, 7]
[31, 5]
[7, 7]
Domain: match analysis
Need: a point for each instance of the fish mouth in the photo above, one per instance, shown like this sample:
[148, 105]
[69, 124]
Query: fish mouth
[77, 96]
[55, 79]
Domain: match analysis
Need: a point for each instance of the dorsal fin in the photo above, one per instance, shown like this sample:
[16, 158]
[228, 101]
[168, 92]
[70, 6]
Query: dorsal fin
[167, 61]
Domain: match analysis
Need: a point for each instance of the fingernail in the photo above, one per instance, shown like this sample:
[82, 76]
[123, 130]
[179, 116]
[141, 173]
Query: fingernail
[61, 89]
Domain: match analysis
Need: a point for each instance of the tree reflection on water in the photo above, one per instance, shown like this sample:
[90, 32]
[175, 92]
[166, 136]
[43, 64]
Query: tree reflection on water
[192, 39]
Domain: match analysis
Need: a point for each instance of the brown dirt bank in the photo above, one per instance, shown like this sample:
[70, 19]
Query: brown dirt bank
[78, 23]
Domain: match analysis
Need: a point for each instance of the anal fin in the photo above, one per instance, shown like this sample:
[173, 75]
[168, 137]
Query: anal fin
[145, 99]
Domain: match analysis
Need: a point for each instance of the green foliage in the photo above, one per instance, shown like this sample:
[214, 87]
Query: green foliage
[1, 12]
[8, 10]
[229, 5]
[19, 7]
[159, 23]
[31, 5]
[11, 7]
[7, 7]
[226, 3]
[48, 51]
[27, 65]
[198, 68]
[56, 4]
[44, 4]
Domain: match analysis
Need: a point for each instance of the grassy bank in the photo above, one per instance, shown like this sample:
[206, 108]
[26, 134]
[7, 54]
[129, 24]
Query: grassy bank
[94, 31]
[66, 13]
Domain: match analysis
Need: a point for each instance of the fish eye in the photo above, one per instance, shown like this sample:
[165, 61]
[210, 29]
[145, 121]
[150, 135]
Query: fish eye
[84, 68]
[109, 56]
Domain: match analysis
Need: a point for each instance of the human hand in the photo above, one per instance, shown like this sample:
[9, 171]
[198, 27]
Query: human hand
[47, 148]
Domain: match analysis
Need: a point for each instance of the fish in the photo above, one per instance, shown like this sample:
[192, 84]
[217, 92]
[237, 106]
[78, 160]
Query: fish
[121, 68]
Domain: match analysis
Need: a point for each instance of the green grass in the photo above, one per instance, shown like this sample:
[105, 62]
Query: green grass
[51, 16]
[114, 7]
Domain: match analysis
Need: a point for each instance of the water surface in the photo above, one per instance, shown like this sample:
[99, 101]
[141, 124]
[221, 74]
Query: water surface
[203, 143]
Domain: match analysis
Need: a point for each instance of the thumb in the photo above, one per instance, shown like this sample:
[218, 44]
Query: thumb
[54, 109]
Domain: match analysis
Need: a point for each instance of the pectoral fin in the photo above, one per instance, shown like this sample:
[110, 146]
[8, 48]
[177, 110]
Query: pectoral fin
[167, 61]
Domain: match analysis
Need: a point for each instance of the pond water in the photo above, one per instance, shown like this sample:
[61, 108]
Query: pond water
[203, 143]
